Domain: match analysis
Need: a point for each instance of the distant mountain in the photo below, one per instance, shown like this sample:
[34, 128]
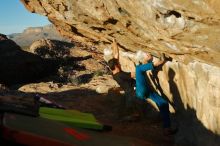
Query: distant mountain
[31, 34]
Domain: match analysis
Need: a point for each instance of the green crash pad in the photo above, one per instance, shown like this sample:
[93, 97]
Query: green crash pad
[37, 131]
[72, 118]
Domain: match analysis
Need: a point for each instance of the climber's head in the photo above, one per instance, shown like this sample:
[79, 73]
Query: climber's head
[143, 57]
[114, 64]
[147, 58]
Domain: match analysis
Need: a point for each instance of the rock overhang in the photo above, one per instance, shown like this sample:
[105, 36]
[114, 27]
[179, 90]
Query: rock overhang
[184, 30]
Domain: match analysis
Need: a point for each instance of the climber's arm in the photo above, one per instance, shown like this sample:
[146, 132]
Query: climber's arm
[158, 63]
[161, 61]
[115, 49]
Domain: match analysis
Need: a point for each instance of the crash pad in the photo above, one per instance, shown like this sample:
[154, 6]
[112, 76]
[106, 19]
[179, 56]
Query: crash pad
[37, 131]
[72, 117]
[19, 104]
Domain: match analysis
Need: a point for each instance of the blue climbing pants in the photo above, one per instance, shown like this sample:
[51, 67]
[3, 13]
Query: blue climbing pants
[163, 106]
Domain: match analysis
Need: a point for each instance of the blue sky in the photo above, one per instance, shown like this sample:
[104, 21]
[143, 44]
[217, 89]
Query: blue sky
[14, 17]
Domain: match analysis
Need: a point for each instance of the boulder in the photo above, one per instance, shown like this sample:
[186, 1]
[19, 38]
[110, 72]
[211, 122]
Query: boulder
[51, 48]
[187, 30]
[18, 66]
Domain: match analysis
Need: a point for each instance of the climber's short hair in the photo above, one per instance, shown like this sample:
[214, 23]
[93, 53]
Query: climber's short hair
[112, 63]
[140, 56]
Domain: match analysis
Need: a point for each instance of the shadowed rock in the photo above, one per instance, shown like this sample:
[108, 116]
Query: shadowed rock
[18, 66]
[51, 48]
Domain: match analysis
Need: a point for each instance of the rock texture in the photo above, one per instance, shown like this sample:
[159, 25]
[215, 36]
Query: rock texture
[51, 48]
[187, 31]
[194, 91]
[18, 66]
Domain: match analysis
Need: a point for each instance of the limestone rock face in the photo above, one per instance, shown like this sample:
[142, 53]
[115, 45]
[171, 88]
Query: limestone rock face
[187, 31]
[194, 90]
